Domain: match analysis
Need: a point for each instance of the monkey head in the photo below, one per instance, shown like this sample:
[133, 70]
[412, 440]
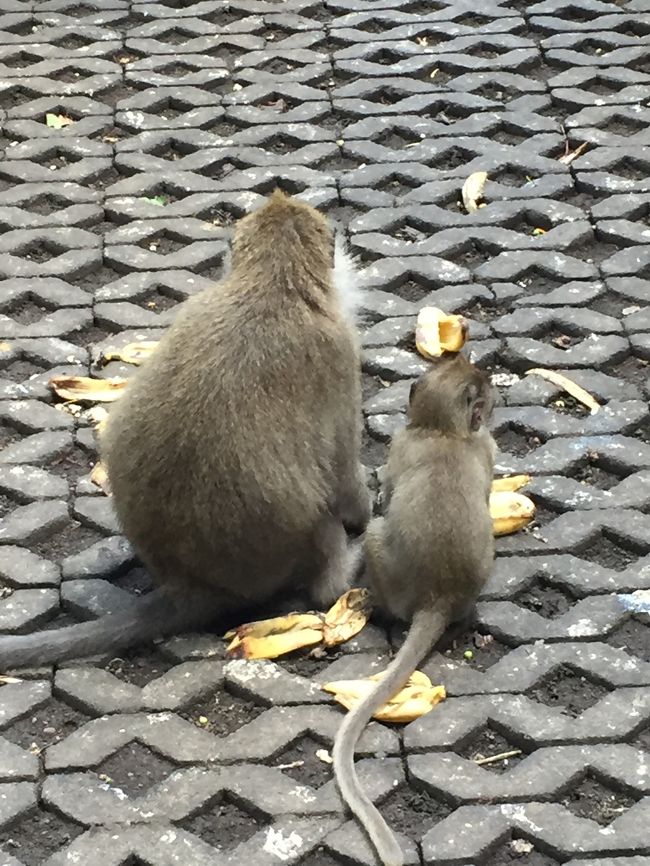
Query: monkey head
[284, 229]
[453, 397]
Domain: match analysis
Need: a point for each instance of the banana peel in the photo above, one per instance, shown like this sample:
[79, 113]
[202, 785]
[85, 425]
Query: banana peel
[510, 483]
[270, 638]
[132, 353]
[415, 699]
[346, 617]
[436, 332]
[87, 390]
[510, 512]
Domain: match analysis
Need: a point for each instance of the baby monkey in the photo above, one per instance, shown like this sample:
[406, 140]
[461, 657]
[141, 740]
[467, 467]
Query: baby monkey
[429, 557]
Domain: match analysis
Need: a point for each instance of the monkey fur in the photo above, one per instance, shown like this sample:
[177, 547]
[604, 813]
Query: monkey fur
[428, 558]
[233, 455]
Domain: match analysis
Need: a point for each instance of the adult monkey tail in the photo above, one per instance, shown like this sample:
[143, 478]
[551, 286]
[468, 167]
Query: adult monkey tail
[427, 627]
[152, 616]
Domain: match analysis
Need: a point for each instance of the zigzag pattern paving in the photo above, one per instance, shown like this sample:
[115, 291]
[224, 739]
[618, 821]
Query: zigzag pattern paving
[375, 111]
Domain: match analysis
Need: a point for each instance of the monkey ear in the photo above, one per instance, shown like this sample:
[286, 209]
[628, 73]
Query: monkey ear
[412, 390]
[476, 416]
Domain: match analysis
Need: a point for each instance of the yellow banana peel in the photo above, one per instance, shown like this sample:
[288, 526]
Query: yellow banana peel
[415, 699]
[436, 332]
[510, 512]
[85, 389]
[273, 645]
[346, 617]
[270, 638]
[510, 483]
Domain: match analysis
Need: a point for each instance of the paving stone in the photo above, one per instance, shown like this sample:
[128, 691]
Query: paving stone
[375, 112]
[22, 568]
[31, 522]
[27, 609]
[107, 557]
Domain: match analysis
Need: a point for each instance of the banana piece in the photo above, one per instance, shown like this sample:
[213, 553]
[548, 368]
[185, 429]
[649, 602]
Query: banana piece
[436, 332]
[510, 512]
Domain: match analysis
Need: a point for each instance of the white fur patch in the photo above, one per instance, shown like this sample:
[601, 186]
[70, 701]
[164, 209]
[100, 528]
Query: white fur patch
[346, 279]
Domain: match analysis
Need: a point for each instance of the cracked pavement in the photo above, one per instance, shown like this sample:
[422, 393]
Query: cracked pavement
[185, 114]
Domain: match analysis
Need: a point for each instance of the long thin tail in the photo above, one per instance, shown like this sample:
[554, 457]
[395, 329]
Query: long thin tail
[152, 616]
[426, 629]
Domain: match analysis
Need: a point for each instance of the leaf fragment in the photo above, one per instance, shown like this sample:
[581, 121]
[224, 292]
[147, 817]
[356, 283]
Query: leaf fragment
[567, 385]
[85, 389]
[414, 700]
[132, 353]
[346, 617]
[472, 191]
[57, 121]
[510, 512]
[436, 332]
[510, 483]
[158, 200]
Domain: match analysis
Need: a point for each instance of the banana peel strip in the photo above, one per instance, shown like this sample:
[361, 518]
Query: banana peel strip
[567, 385]
[132, 353]
[270, 638]
[99, 476]
[415, 699]
[510, 483]
[85, 389]
[437, 332]
[510, 512]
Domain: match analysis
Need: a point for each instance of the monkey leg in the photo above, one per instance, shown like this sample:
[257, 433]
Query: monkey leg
[337, 561]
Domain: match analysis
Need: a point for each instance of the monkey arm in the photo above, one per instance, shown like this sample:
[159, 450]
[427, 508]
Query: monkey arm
[351, 497]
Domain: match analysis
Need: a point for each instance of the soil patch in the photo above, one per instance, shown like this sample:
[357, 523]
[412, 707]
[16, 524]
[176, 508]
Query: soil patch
[487, 744]
[224, 712]
[36, 837]
[567, 689]
[299, 762]
[140, 666]
[592, 799]
[633, 636]
[413, 812]
[47, 725]
[134, 769]
[224, 825]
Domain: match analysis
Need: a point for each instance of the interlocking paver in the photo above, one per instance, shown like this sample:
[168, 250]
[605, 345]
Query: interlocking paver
[183, 117]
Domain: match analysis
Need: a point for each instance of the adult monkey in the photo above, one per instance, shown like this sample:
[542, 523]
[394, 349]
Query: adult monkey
[429, 557]
[233, 455]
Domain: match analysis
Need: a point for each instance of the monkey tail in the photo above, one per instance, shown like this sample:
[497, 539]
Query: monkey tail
[152, 616]
[426, 629]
